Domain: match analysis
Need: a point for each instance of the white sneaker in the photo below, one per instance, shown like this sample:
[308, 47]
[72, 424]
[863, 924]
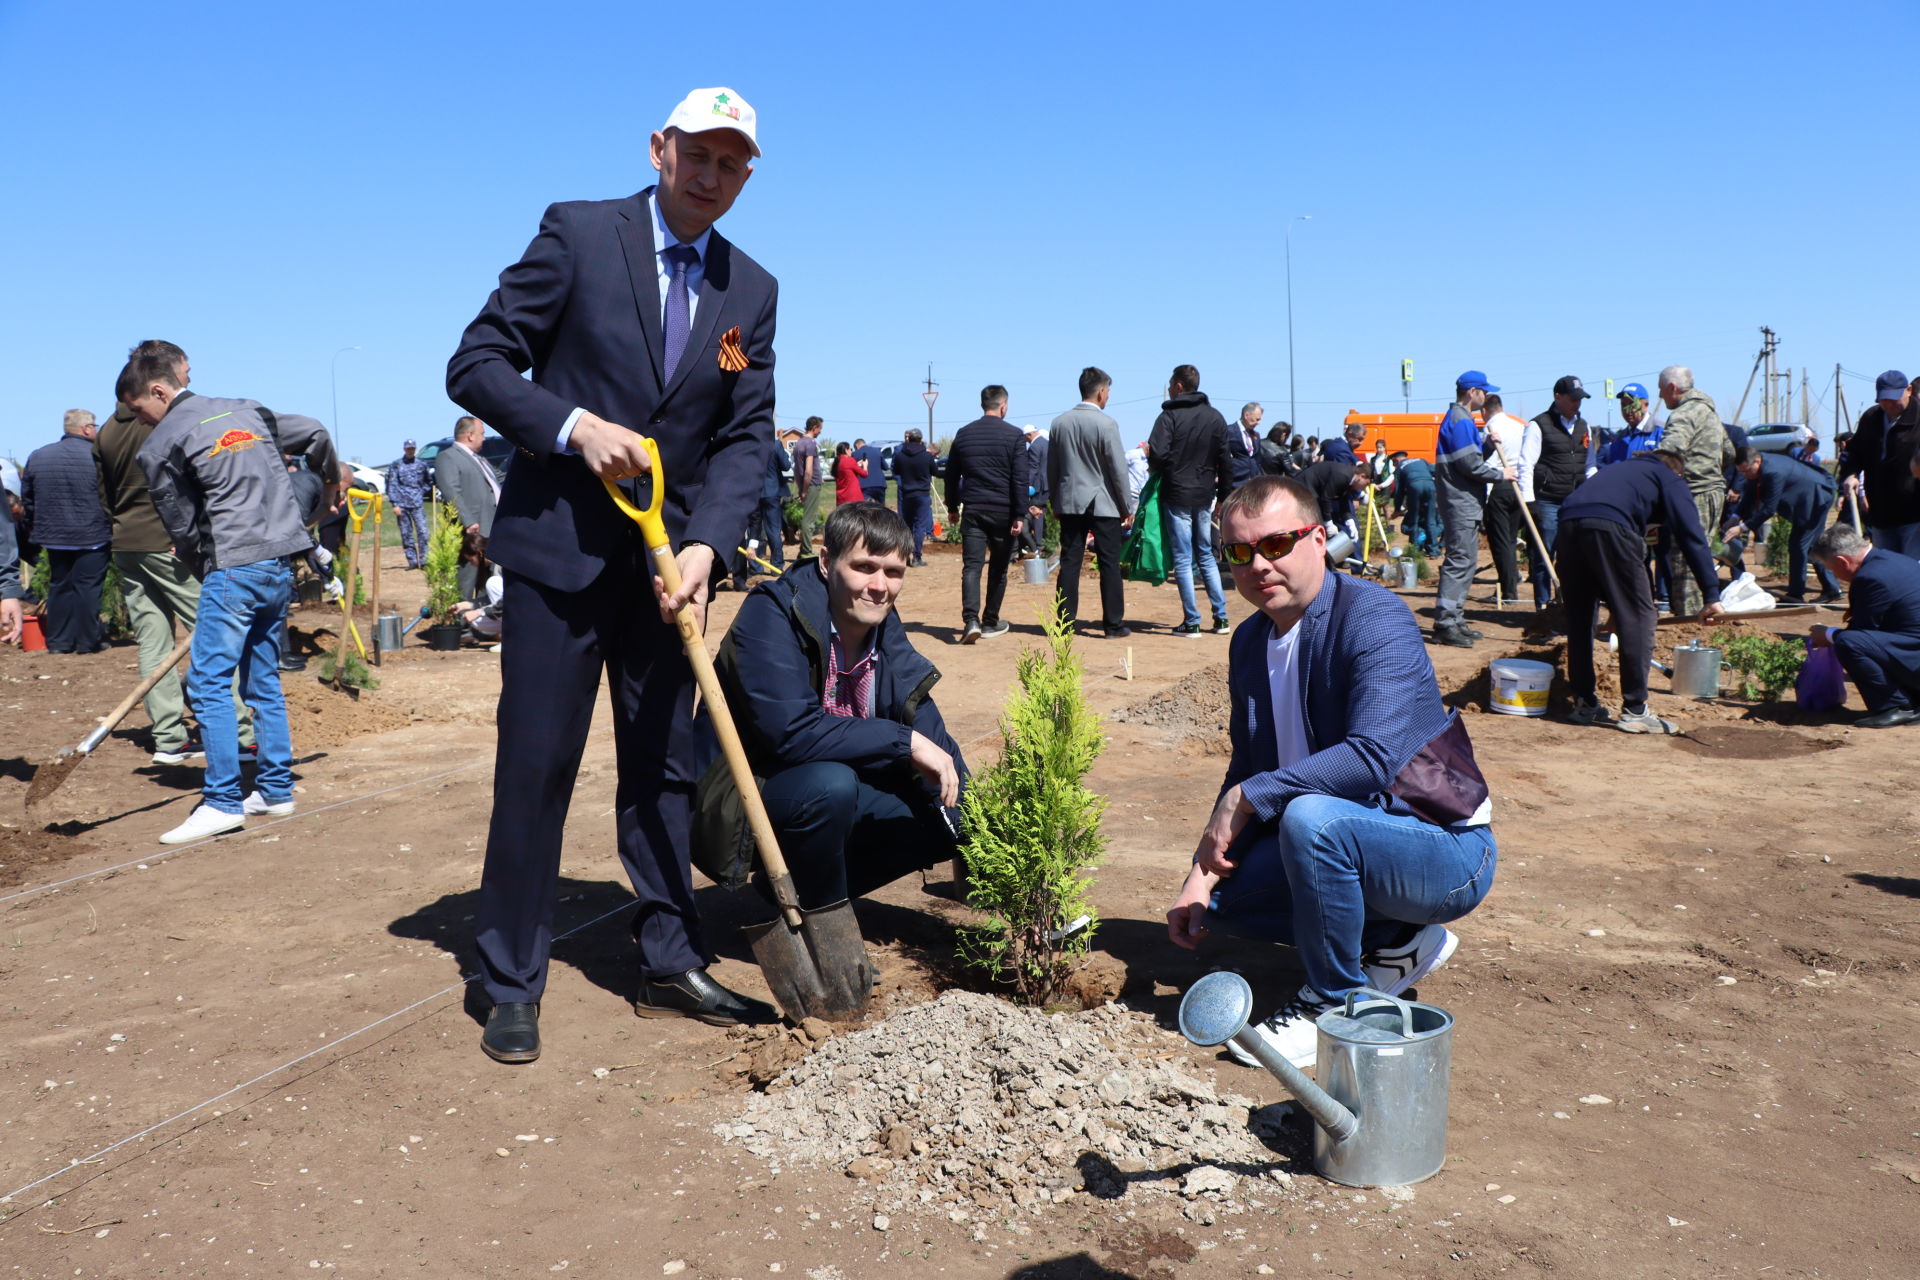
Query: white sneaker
[1398, 968]
[204, 821]
[1290, 1032]
[188, 751]
[257, 805]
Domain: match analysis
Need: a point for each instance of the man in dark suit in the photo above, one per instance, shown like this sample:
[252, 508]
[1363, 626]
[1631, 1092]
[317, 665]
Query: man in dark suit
[1880, 645]
[873, 485]
[466, 479]
[1776, 485]
[1033, 538]
[633, 315]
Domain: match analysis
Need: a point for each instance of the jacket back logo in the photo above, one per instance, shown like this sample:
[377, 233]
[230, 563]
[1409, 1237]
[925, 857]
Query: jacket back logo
[233, 441]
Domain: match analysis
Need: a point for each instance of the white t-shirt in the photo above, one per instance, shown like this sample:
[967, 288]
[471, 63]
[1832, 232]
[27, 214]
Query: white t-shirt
[1283, 685]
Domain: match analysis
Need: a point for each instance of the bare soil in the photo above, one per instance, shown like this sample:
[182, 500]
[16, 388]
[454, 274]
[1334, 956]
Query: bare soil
[1686, 1043]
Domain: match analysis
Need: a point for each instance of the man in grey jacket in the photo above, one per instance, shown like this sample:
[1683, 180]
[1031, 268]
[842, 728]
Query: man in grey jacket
[466, 479]
[1461, 474]
[215, 470]
[1087, 476]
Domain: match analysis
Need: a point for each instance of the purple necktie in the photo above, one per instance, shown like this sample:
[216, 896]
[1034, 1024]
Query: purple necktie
[681, 257]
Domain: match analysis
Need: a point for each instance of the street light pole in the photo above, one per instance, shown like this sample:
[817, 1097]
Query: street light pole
[333, 427]
[1293, 412]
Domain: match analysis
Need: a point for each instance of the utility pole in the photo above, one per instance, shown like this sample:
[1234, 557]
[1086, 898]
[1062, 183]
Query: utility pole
[1293, 410]
[1806, 409]
[930, 395]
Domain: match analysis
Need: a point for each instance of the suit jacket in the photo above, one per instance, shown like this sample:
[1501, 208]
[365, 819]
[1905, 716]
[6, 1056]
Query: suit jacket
[456, 473]
[1885, 597]
[1037, 452]
[1788, 487]
[1087, 465]
[581, 309]
[875, 481]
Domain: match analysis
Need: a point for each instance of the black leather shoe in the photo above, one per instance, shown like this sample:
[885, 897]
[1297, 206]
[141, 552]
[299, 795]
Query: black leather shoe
[1456, 637]
[694, 994]
[1888, 719]
[1116, 633]
[513, 1033]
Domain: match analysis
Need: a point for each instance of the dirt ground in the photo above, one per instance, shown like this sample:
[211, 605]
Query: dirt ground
[1687, 1023]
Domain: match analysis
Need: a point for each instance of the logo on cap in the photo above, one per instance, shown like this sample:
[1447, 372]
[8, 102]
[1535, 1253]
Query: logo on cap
[723, 106]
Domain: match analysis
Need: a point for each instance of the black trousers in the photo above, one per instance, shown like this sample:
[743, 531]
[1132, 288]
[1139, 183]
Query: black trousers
[555, 646]
[1601, 560]
[1107, 542]
[73, 600]
[845, 834]
[1502, 524]
[986, 538]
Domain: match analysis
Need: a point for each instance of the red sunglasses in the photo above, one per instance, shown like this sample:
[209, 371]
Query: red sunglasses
[1275, 546]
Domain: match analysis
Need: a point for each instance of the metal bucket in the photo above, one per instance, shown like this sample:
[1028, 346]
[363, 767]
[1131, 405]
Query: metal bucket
[1037, 570]
[387, 635]
[1696, 670]
[1409, 575]
[1388, 1061]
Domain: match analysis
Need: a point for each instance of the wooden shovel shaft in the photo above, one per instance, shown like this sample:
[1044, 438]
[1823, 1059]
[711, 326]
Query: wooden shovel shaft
[1532, 528]
[729, 734]
[1853, 501]
[140, 691]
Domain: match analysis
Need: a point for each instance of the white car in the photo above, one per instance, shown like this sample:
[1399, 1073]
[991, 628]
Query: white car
[1778, 437]
[367, 478]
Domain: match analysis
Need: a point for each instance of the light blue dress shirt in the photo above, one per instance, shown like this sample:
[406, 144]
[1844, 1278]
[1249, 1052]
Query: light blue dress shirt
[696, 276]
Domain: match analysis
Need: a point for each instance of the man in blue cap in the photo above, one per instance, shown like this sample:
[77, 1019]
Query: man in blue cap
[1642, 431]
[1879, 466]
[1461, 475]
[407, 481]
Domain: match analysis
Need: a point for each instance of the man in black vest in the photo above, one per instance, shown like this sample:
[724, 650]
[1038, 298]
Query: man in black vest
[1554, 462]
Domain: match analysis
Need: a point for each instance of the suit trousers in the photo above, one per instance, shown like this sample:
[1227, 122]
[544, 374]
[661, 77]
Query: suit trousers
[73, 600]
[1502, 522]
[844, 836]
[1107, 541]
[1602, 560]
[555, 646]
[1880, 668]
[986, 538]
[916, 508]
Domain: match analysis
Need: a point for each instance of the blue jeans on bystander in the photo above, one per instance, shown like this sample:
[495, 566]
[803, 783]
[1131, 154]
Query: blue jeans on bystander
[1190, 534]
[1337, 879]
[242, 613]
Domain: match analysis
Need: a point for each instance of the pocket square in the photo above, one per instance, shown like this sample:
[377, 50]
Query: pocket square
[733, 359]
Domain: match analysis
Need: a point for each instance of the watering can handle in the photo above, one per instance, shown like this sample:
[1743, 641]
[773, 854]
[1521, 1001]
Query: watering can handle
[1406, 1010]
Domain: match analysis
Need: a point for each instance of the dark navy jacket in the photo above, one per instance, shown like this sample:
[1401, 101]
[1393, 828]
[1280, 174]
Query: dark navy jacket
[60, 489]
[1640, 492]
[875, 481]
[1885, 599]
[1788, 487]
[1368, 690]
[773, 665]
[913, 468]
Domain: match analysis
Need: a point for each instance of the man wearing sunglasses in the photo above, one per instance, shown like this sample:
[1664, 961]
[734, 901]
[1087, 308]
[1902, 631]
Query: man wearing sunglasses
[1315, 839]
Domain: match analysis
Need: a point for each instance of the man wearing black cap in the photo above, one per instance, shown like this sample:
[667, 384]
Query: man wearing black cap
[1880, 460]
[1553, 454]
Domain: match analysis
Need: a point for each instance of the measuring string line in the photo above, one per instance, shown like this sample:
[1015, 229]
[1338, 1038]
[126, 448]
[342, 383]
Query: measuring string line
[179, 849]
[286, 1066]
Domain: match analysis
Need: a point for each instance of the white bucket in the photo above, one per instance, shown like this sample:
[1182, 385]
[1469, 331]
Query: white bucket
[1519, 686]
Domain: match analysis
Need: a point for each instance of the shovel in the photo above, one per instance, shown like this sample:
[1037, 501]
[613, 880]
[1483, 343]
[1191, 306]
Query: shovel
[48, 777]
[814, 961]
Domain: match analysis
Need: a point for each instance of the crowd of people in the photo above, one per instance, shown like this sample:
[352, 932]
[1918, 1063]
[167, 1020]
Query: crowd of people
[1352, 822]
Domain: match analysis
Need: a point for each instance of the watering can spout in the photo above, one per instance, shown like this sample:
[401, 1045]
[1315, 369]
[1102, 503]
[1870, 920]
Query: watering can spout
[1216, 1010]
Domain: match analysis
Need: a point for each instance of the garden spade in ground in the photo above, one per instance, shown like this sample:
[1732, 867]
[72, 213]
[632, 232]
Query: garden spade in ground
[1381, 1120]
[815, 961]
[48, 777]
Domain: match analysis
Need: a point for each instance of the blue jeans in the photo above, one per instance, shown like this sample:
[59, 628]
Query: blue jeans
[242, 613]
[1337, 879]
[1546, 515]
[1190, 534]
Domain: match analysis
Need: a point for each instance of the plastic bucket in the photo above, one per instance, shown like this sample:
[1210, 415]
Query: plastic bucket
[33, 635]
[1520, 686]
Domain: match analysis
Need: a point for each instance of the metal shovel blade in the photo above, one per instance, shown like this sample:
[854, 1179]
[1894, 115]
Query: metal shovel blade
[819, 970]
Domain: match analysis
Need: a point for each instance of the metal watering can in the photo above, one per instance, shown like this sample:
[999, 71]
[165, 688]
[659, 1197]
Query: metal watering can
[1696, 670]
[1381, 1120]
[1038, 568]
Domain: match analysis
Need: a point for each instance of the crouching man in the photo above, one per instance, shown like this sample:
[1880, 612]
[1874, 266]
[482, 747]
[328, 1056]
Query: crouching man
[860, 777]
[215, 470]
[1879, 648]
[1353, 822]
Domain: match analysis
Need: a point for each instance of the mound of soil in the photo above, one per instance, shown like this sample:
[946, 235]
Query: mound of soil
[1193, 710]
[23, 852]
[1731, 742]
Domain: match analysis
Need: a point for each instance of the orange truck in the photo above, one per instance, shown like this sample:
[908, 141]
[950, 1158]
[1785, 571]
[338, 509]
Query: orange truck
[1417, 433]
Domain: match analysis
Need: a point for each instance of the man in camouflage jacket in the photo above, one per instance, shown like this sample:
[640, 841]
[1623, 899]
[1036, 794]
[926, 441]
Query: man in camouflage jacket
[1694, 431]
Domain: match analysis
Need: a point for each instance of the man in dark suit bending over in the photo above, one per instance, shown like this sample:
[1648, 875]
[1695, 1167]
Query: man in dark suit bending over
[1880, 646]
[635, 316]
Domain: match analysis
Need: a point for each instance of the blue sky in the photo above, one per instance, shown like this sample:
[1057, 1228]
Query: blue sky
[1011, 192]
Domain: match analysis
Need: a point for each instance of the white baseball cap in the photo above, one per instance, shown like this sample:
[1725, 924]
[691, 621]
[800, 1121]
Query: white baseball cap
[722, 108]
